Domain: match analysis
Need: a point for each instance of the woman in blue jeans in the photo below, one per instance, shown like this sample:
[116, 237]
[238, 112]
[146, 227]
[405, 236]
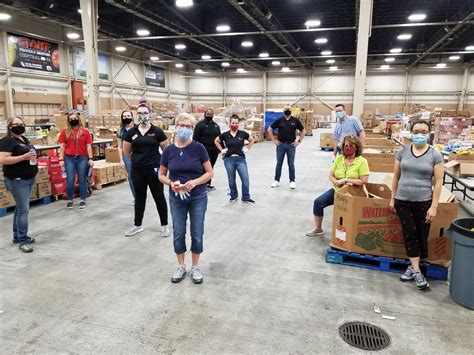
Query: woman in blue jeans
[189, 168]
[18, 158]
[125, 160]
[234, 158]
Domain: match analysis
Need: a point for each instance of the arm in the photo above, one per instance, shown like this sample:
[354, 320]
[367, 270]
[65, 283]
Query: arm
[164, 144]
[272, 137]
[163, 177]
[333, 178]
[6, 158]
[120, 151]
[362, 137]
[438, 182]
[300, 139]
[362, 180]
[90, 154]
[218, 144]
[197, 133]
[208, 174]
[62, 148]
[251, 142]
[127, 148]
[396, 178]
[335, 147]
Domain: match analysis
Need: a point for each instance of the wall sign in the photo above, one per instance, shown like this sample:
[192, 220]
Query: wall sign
[80, 66]
[154, 76]
[32, 53]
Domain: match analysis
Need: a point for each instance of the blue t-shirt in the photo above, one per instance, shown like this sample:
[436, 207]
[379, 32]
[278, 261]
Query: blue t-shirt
[185, 164]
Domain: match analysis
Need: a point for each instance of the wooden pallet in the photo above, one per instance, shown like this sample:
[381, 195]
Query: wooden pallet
[381, 263]
[98, 186]
[46, 200]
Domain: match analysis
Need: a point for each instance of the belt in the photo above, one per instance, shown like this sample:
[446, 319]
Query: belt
[287, 142]
[235, 155]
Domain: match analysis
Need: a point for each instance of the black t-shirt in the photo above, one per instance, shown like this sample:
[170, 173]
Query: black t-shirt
[145, 148]
[206, 132]
[287, 128]
[234, 144]
[22, 169]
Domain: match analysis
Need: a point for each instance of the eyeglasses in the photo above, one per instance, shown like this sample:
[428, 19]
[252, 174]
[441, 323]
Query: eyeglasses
[181, 125]
[18, 125]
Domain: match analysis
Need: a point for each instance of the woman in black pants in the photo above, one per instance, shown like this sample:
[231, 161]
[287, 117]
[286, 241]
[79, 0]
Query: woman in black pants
[143, 142]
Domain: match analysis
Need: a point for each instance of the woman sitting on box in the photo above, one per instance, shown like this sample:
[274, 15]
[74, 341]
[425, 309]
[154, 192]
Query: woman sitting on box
[18, 158]
[76, 154]
[417, 181]
[125, 124]
[349, 168]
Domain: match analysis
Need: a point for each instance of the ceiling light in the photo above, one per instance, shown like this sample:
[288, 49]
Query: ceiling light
[441, 65]
[225, 64]
[470, 48]
[321, 40]
[79, 10]
[199, 71]
[454, 57]
[223, 28]
[143, 32]
[263, 55]
[180, 46]
[276, 62]
[326, 53]
[416, 17]
[184, 3]
[312, 23]
[179, 65]
[154, 58]
[206, 57]
[120, 49]
[395, 50]
[385, 66]
[389, 59]
[73, 35]
[285, 69]
[333, 68]
[240, 70]
[404, 37]
[247, 44]
[330, 61]
[4, 16]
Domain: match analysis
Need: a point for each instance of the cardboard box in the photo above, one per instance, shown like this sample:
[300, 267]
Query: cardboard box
[363, 223]
[60, 121]
[461, 157]
[380, 142]
[326, 140]
[112, 155]
[34, 193]
[44, 189]
[381, 163]
[462, 169]
[43, 174]
[106, 133]
[58, 187]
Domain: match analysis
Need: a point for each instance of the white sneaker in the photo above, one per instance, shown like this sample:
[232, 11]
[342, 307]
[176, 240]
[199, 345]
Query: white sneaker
[134, 230]
[133, 203]
[165, 231]
[292, 185]
[275, 184]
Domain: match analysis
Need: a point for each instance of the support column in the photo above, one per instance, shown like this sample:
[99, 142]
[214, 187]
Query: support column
[365, 24]
[310, 90]
[89, 28]
[464, 88]
[9, 96]
[264, 95]
[224, 84]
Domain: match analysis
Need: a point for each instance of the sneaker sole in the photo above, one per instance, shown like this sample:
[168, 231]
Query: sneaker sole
[165, 235]
[82, 207]
[130, 235]
[197, 282]
[423, 287]
[406, 280]
[70, 208]
[314, 234]
[176, 281]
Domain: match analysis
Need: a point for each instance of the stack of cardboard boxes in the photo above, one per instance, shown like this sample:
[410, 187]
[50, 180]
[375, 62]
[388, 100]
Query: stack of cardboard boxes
[6, 198]
[379, 162]
[308, 121]
[461, 165]
[326, 140]
[255, 128]
[55, 178]
[450, 127]
[105, 172]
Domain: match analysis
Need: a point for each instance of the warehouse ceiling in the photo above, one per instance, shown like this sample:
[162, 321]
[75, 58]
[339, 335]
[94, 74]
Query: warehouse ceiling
[277, 28]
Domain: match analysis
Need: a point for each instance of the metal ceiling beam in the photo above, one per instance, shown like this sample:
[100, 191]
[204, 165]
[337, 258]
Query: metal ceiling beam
[442, 40]
[158, 20]
[286, 41]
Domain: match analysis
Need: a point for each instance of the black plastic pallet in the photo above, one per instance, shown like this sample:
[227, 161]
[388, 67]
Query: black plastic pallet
[40, 201]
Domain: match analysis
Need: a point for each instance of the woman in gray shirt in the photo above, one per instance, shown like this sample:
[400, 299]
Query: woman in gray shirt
[418, 167]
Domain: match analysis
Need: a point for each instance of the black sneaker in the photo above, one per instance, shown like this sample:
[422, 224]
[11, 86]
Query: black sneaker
[82, 205]
[233, 199]
[16, 241]
[211, 187]
[69, 205]
[249, 201]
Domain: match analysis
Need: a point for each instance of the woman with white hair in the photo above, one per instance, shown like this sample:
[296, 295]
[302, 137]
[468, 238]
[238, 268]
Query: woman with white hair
[186, 169]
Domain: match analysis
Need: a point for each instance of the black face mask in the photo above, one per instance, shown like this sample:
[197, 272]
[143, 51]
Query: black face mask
[18, 129]
[209, 118]
[127, 120]
[74, 123]
[287, 112]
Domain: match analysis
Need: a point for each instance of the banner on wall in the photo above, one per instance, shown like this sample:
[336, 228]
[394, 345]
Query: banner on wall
[80, 66]
[154, 76]
[32, 53]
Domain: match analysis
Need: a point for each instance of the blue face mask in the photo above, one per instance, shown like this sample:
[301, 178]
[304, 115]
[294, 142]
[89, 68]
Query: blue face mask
[340, 115]
[419, 139]
[184, 133]
[143, 119]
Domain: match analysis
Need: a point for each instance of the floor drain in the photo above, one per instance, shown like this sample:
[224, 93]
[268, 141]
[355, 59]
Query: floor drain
[364, 336]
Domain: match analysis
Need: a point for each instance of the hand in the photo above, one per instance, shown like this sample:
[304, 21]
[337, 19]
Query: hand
[191, 184]
[391, 205]
[122, 164]
[61, 163]
[341, 182]
[224, 151]
[245, 150]
[91, 163]
[29, 155]
[175, 186]
[431, 214]
[295, 143]
[276, 141]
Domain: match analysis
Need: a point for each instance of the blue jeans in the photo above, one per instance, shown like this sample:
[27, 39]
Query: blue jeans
[323, 201]
[290, 151]
[239, 164]
[21, 191]
[196, 207]
[80, 165]
[128, 165]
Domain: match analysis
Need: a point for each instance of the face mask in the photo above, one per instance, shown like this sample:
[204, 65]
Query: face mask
[143, 119]
[340, 115]
[184, 133]
[287, 112]
[18, 129]
[209, 118]
[348, 151]
[74, 123]
[419, 139]
[234, 127]
[127, 120]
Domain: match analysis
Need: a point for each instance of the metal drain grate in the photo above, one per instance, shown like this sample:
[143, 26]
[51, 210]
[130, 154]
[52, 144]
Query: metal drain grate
[364, 336]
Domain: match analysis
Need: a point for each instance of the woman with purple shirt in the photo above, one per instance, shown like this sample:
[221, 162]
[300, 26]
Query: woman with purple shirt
[189, 168]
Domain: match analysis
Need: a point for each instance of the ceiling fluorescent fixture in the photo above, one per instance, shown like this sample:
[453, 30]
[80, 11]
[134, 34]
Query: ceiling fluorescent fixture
[154, 57]
[326, 53]
[395, 50]
[454, 57]
[285, 69]
[223, 28]
[240, 70]
[73, 35]
[263, 55]
[120, 49]
[312, 23]
[276, 62]
[389, 60]
[180, 46]
[179, 65]
[385, 67]
[333, 68]
[184, 3]
[404, 36]
[4, 16]
[441, 65]
[416, 17]
[199, 71]
[205, 57]
[330, 61]
[225, 64]
[470, 48]
[247, 44]
[321, 40]
[79, 10]
[143, 32]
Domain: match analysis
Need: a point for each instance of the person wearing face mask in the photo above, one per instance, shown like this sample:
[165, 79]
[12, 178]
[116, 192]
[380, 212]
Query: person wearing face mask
[18, 158]
[286, 143]
[231, 146]
[417, 181]
[75, 153]
[206, 132]
[185, 168]
[143, 143]
[346, 125]
[125, 161]
[348, 168]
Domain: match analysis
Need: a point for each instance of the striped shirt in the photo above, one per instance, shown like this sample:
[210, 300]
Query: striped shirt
[348, 125]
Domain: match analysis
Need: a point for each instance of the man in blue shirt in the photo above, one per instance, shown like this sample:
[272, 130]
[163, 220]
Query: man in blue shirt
[346, 125]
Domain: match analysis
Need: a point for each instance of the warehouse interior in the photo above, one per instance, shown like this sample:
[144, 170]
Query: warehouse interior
[268, 287]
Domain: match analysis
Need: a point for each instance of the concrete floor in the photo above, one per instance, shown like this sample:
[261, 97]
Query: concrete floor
[88, 289]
